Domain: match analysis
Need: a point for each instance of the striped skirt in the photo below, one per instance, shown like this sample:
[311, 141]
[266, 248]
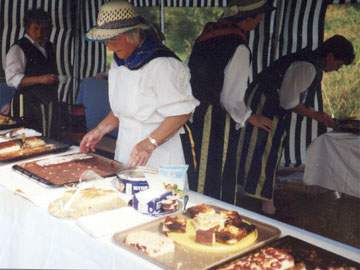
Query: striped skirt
[259, 152]
[215, 139]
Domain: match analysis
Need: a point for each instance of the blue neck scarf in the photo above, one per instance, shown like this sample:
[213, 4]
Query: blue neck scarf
[150, 49]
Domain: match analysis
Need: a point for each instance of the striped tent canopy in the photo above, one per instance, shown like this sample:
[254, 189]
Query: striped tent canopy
[294, 25]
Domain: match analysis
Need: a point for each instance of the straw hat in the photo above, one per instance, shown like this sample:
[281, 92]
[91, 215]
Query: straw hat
[114, 18]
[246, 8]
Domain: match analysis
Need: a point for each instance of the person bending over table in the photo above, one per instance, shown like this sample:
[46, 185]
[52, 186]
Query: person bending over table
[288, 85]
[31, 68]
[220, 66]
[149, 91]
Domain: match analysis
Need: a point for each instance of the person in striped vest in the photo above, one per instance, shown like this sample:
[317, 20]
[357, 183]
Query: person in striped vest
[31, 69]
[288, 85]
[220, 66]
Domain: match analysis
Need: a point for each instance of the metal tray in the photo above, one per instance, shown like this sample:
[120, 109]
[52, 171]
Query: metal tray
[13, 124]
[348, 125]
[312, 256]
[184, 258]
[52, 172]
[58, 147]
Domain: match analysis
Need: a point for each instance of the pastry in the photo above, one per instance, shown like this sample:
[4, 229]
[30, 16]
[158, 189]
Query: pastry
[74, 204]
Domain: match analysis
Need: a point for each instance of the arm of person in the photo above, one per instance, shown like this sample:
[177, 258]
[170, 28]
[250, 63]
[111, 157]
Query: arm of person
[321, 117]
[170, 126]
[236, 76]
[91, 138]
[15, 71]
[298, 79]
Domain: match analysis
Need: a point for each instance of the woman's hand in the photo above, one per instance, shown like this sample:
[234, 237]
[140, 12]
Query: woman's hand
[325, 119]
[260, 121]
[90, 140]
[141, 153]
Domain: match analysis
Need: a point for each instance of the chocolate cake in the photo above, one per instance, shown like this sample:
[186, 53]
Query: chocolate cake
[267, 258]
[69, 169]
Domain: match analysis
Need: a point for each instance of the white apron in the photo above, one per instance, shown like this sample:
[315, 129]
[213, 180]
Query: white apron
[142, 99]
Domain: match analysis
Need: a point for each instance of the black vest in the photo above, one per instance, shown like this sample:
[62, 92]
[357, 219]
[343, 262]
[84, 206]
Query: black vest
[37, 64]
[273, 75]
[207, 63]
[269, 81]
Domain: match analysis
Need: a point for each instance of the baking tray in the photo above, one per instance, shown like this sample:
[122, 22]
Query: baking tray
[68, 173]
[184, 258]
[348, 125]
[311, 256]
[13, 124]
[58, 147]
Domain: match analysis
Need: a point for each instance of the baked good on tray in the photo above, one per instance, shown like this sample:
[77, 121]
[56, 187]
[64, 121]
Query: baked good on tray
[265, 259]
[21, 147]
[74, 204]
[152, 244]
[68, 169]
[207, 229]
[6, 120]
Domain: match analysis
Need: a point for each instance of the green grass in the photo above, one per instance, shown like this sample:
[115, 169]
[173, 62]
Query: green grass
[341, 89]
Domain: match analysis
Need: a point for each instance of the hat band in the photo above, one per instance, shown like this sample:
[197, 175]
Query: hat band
[121, 23]
[251, 7]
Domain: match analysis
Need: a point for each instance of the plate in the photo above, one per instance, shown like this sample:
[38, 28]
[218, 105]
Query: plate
[187, 240]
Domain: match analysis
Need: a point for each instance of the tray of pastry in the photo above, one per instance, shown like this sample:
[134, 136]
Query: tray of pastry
[7, 122]
[26, 147]
[197, 239]
[347, 125]
[69, 169]
[289, 253]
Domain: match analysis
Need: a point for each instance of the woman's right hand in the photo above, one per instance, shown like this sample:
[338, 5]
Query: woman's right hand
[90, 140]
[260, 121]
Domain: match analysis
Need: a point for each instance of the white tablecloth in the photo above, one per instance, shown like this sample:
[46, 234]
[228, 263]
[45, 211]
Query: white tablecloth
[333, 162]
[31, 238]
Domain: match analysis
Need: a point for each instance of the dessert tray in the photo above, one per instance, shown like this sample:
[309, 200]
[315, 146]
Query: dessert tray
[7, 122]
[299, 255]
[27, 147]
[69, 169]
[182, 249]
[348, 125]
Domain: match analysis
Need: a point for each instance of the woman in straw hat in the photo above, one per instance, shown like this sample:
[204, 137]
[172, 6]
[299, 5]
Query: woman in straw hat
[149, 91]
[220, 66]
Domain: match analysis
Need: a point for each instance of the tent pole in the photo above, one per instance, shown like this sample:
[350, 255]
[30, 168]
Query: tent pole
[162, 17]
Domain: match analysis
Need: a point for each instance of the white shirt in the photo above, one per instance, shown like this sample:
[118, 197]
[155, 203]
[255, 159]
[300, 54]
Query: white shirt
[143, 98]
[297, 79]
[16, 62]
[236, 76]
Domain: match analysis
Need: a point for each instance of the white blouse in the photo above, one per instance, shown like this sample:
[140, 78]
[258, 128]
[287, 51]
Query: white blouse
[236, 75]
[143, 98]
[297, 79]
[16, 63]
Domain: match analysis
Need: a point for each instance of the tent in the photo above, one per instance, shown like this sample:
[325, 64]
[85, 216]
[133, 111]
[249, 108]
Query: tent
[294, 25]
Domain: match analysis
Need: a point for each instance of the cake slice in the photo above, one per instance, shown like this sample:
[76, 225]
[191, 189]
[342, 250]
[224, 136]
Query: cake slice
[152, 244]
[174, 224]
